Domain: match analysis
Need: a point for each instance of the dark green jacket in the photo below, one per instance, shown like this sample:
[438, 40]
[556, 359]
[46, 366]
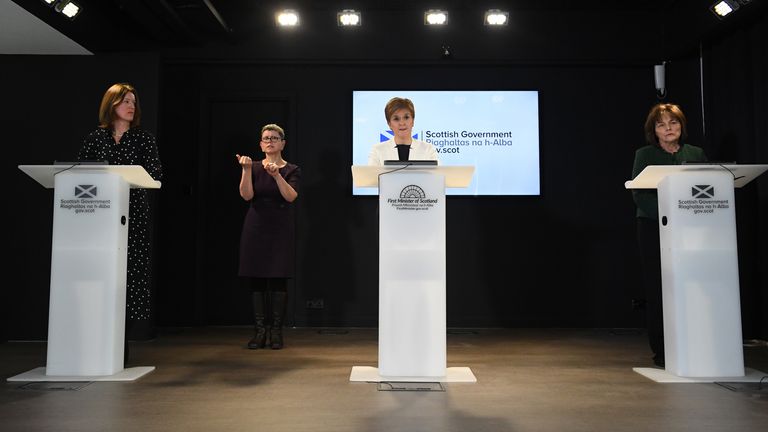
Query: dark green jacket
[647, 200]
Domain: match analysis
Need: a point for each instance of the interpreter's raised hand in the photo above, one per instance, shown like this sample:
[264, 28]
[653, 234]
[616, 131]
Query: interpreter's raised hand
[272, 169]
[244, 161]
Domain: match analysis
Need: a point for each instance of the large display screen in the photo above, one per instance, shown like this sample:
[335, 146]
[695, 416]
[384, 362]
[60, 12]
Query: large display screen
[497, 132]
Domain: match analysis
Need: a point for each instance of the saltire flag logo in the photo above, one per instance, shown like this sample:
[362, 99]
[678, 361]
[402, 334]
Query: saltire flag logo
[703, 191]
[85, 191]
[388, 135]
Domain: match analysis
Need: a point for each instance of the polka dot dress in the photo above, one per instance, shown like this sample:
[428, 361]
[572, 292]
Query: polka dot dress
[136, 147]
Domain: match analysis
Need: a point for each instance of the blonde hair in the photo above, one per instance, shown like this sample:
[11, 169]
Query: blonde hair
[273, 127]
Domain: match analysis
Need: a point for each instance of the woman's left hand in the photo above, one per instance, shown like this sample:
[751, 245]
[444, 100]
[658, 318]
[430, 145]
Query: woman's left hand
[272, 169]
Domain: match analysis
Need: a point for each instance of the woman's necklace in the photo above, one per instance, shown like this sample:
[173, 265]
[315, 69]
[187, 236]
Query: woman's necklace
[671, 148]
[117, 134]
[279, 164]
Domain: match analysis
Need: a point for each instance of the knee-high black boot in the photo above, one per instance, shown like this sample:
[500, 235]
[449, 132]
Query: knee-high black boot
[278, 313]
[260, 332]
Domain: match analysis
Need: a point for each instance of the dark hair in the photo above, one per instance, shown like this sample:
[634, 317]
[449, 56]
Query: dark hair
[112, 98]
[397, 103]
[655, 114]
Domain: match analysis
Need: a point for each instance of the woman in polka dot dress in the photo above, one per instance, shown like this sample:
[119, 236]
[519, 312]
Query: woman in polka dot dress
[120, 141]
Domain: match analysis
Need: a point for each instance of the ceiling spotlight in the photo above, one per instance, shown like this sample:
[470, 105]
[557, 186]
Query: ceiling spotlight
[64, 7]
[287, 18]
[69, 9]
[349, 18]
[495, 17]
[724, 7]
[435, 17]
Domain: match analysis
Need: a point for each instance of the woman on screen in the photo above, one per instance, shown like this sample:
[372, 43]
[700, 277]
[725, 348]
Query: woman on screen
[399, 113]
[267, 246]
[119, 140]
[665, 130]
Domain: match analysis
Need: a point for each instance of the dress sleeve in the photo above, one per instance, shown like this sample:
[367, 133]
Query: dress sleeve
[432, 152]
[151, 157]
[373, 157]
[645, 199]
[294, 178]
[90, 148]
[703, 156]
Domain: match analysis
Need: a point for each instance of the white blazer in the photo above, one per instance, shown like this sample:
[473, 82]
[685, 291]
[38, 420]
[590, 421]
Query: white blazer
[386, 150]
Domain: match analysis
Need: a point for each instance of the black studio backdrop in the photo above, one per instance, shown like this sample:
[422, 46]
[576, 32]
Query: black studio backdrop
[51, 104]
[566, 258]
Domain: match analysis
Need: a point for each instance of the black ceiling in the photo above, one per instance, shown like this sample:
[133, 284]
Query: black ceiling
[539, 29]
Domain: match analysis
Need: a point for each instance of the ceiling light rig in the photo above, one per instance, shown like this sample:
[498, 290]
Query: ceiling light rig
[724, 8]
[496, 18]
[287, 18]
[435, 17]
[349, 18]
[67, 8]
[352, 18]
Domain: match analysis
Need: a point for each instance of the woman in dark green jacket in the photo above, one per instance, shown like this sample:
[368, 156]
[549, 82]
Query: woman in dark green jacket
[665, 132]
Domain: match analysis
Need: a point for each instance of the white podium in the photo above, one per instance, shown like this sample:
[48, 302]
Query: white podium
[86, 329]
[699, 266]
[412, 317]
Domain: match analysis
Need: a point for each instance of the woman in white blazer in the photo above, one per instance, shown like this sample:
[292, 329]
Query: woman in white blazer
[400, 114]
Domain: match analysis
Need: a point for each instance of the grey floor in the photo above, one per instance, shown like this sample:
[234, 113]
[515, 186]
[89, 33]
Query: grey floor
[527, 380]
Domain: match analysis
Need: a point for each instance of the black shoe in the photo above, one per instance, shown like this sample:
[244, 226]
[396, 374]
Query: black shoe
[658, 360]
[259, 339]
[276, 339]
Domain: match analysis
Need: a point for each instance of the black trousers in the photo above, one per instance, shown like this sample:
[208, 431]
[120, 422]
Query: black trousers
[648, 241]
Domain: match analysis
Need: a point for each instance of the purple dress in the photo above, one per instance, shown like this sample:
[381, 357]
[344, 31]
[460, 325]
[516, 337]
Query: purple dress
[267, 243]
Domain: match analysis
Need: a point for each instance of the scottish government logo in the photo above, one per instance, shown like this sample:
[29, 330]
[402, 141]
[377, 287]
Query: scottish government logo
[703, 191]
[703, 201]
[85, 191]
[388, 135]
[85, 201]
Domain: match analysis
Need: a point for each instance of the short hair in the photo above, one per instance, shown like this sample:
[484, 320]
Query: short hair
[397, 103]
[655, 114]
[273, 127]
[112, 99]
